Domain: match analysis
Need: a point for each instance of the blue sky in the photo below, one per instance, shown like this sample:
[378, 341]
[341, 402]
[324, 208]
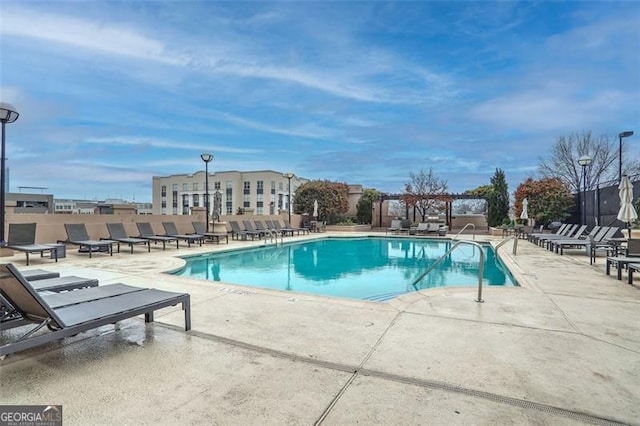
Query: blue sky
[113, 93]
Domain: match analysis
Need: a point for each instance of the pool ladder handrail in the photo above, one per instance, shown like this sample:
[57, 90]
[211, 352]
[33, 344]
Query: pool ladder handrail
[515, 244]
[465, 227]
[274, 236]
[441, 258]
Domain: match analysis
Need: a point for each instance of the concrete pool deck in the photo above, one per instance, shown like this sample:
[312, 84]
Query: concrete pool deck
[564, 348]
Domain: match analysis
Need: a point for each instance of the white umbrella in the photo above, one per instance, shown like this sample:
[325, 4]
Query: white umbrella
[525, 212]
[627, 213]
[315, 208]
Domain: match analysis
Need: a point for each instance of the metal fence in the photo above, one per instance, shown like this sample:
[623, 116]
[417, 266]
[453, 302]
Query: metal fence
[602, 204]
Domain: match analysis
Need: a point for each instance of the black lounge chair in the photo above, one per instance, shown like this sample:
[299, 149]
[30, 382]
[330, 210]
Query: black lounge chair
[200, 229]
[73, 319]
[171, 231]
[117, 233]
[631, 268]
[248, 226]
[287, 225]
[281, 229]
[22, 238]
[38, 274]
[237, 232]
[146, 232]
[58, 300]
[77, 235]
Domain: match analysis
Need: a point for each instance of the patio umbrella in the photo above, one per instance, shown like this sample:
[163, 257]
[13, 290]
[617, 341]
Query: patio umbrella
[627, 213]
[315, 208]
[525, 212]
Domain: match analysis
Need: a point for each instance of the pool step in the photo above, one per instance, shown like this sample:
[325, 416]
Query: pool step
[385, 296]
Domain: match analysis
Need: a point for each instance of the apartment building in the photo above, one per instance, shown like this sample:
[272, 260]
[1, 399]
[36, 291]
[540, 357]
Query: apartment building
[261, 192]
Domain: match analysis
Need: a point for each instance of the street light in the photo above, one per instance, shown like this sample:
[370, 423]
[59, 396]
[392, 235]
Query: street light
[584, 161]
[207, 159]
[289, 176]
[8, 114]
[620, 136]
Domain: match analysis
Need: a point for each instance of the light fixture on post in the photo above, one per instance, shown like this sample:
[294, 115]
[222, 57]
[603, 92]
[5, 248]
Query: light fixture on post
[207, 159]
[8, 114]
[620, 136]
[289, 176]
[584, 161]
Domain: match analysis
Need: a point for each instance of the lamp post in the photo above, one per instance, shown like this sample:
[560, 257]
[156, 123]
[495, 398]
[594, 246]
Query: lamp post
[584, 161]
[289, 176]
[207, 159]
[620, 136]
[8, 114]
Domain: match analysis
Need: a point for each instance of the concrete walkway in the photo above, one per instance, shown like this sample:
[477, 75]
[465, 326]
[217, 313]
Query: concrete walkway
[564, 348]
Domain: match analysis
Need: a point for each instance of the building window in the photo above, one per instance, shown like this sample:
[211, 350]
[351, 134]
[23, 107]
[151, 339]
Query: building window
[259, 211]
[273, 186]
[229, 208]
[246, 204]
[195, 186]
[163, 190]
[216, 185]
[185, 204]
[280, 186]
[185, 187]
[196, 200]
[260, 198]
[174, 187]
[229, 184]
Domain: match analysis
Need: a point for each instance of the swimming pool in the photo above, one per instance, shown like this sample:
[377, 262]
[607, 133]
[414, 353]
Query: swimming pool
[369, 268]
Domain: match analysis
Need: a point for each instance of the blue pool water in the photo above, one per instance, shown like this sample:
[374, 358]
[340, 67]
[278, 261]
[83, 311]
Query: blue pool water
[355, 268]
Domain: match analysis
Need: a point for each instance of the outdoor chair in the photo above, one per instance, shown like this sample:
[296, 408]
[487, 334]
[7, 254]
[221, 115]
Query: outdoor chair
[533, 237]
[38, 274]
[171, 231]
[631, 268]
[237, 232]
[22, 238]
[248, 226]
[304, 231]
[200, 229]
[396, 224]
[553, 245]
[146, 232]
[561, 244]
[284, 231]
[422, 228]
[117, 233]
[77, 235]
[271, 224]
[73, 319]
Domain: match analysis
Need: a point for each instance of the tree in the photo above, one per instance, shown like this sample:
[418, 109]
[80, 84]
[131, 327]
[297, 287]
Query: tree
[365, 205]
[498, 199]
[563, 161]
[332, 197]
[425, 192]
[549, 199]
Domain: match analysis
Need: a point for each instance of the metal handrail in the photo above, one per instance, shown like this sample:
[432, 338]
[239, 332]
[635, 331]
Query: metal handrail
[453, 247]
[515, 244]
[274, 236]
[465, 227]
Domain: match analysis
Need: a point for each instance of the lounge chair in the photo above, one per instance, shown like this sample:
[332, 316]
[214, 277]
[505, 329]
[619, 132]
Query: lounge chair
[248, 226]
[422, 228]
[22, 238]
[561, 244]
[171, 231]
[237, 232]
[396, 224]
[38, 274]
[533, 237]
[117, 233]
[200, 229]
[146, 232]
[553, 245]
[570, 232]
[73, 319]
[279, 228]
[77, 235]
[287, 225]
[632, 256]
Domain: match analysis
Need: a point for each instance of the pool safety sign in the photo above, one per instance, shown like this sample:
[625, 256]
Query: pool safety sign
[30, 415]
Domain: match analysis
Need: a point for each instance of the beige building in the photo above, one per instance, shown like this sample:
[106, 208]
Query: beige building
[263, 192]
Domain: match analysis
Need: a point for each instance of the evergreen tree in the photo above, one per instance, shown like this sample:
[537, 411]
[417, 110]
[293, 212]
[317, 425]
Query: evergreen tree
[498, 199]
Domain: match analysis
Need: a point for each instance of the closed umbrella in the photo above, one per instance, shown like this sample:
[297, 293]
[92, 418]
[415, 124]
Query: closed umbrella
[525, 212]
[315, 208]
[627, 212]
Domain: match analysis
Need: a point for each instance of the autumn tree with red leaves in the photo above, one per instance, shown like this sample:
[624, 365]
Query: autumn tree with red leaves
[549, 199]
